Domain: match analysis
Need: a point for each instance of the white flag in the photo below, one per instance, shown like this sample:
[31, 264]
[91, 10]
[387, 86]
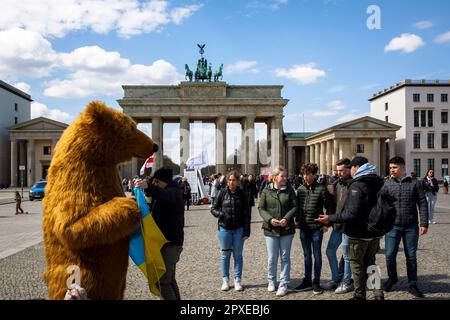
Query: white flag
[197, 161]
[147, 164]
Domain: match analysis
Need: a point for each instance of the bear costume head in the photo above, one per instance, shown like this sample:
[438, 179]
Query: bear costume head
[87, 219]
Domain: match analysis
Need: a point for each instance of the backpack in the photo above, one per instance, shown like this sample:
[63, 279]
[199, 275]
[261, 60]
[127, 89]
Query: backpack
[382, 216]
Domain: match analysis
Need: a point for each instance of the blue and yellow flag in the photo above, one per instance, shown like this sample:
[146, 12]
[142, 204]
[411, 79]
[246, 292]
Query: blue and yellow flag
[146, 244]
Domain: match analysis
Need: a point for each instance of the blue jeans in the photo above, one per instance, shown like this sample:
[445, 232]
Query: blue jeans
[279, 246]
[431, 199]
[347, 269]
[312, 244]
[410, 237]
[333, 244]
[231, 241]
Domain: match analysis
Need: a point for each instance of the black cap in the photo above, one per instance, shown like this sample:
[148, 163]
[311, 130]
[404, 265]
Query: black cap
[357, 161]
[163, 174]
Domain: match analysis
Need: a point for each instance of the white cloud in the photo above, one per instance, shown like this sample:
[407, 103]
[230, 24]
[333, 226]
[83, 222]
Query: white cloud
[301, 73]
[242, 66]
[352, 116]
[336, 89]
[25, 53]
[406, 42]
[58, 17]
[336, 105]
[41, 110]
[424, 24]
[442, 38]
[273, 5]
[323, 113]
[93, 58]
[25, 87]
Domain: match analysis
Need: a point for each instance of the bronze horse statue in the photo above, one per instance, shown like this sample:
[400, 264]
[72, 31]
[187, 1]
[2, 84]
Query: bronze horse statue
[218, 73]
[189, 73]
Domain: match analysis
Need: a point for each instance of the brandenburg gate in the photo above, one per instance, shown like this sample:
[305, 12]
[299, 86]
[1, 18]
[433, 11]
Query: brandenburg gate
[213, 101]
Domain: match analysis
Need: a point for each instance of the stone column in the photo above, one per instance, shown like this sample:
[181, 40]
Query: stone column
[13, 163]
[31, 152]
[221, 144]
[383, 161]
[184, 142]
[157, 136]
[335, 151]
[391, 148]
[317, 154]
[290, 160]
[376, 153]
[323, 154]
[307, 154]
[250, 147]
[312, 153]
[352, 148]
[329, 160]
[276, 133]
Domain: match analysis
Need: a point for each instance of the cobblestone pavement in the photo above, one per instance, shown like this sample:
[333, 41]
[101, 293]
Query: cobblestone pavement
[198, 272]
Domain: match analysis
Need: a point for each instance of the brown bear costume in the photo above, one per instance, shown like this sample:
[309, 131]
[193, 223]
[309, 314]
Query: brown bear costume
[87, 219]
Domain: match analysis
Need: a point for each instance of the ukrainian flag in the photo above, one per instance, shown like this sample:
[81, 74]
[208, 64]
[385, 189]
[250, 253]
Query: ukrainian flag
[146, 244]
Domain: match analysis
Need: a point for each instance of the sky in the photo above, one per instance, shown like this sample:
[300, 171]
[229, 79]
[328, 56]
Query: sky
[329, 55]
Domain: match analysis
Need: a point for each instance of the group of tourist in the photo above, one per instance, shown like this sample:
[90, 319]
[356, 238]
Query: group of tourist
[342, 204]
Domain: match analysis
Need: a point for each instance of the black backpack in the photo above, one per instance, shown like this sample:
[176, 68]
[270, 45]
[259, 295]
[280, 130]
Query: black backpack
[382, 216]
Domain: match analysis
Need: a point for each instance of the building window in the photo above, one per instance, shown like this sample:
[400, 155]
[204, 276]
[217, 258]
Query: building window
[386, 118]
[417, 167]
[430, 97]
[16, 121]
[431, 164]
[444, 167]
[386, 106]
[430, 118]
[416, 97]
[430, 141]
[16, 107]
[359, 148]
[47, 150]
[423, 118]
[416, 141]
[444, 140]
[444, 117]
[444, 97]
[416, 118]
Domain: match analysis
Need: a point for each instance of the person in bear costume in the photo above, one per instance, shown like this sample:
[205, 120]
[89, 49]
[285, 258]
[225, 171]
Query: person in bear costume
[87, 219]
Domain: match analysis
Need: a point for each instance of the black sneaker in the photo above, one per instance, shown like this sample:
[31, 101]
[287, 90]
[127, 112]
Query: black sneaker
[304, 286]
[415, 291]
[388, 284]
[316, 288]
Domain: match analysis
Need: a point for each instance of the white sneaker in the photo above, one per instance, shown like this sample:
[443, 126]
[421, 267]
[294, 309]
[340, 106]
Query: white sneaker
[225, 284]
[282, 290]
[271, 286]
[434, 221]
[344, 288]
[237, 284]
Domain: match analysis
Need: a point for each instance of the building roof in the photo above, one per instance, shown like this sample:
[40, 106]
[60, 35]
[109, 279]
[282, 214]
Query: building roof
[14, 90]
[39, 124]
[297, 134]
[410, 83]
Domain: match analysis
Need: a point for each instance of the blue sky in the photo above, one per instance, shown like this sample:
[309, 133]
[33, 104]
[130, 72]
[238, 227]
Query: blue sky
[68, 52]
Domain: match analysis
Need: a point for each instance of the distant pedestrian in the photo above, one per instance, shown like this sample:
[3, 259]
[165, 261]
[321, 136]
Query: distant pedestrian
[431, 188]
[186, 187]
[18, 200]
[445, 186]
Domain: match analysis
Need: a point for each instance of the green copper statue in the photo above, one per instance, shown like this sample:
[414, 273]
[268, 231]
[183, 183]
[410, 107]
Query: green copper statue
[218, 73]
[189, 73]
[203, 71]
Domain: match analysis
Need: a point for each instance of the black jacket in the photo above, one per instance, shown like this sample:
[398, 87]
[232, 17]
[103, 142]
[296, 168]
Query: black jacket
[233, 210]
[312, 201]
[430, 186]
[409, 195]
[167, 208]
[340, 188]
[361, 198]
[250, 190]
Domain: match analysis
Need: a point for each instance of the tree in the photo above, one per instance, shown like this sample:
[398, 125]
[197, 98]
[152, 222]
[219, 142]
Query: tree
[168, 163]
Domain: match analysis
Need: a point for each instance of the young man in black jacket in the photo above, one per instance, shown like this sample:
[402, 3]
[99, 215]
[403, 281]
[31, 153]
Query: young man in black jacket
[361, 198]
[167, 208]
[409, 196]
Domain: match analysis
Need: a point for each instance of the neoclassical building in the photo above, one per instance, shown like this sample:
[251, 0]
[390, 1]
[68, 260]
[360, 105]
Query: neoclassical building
[32, 146]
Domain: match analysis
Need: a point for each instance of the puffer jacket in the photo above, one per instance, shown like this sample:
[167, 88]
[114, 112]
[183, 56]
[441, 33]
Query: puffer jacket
[340, 193]
[409, 195]
[277, 204]
[233, 210]
[312, 201]
[361, 198]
